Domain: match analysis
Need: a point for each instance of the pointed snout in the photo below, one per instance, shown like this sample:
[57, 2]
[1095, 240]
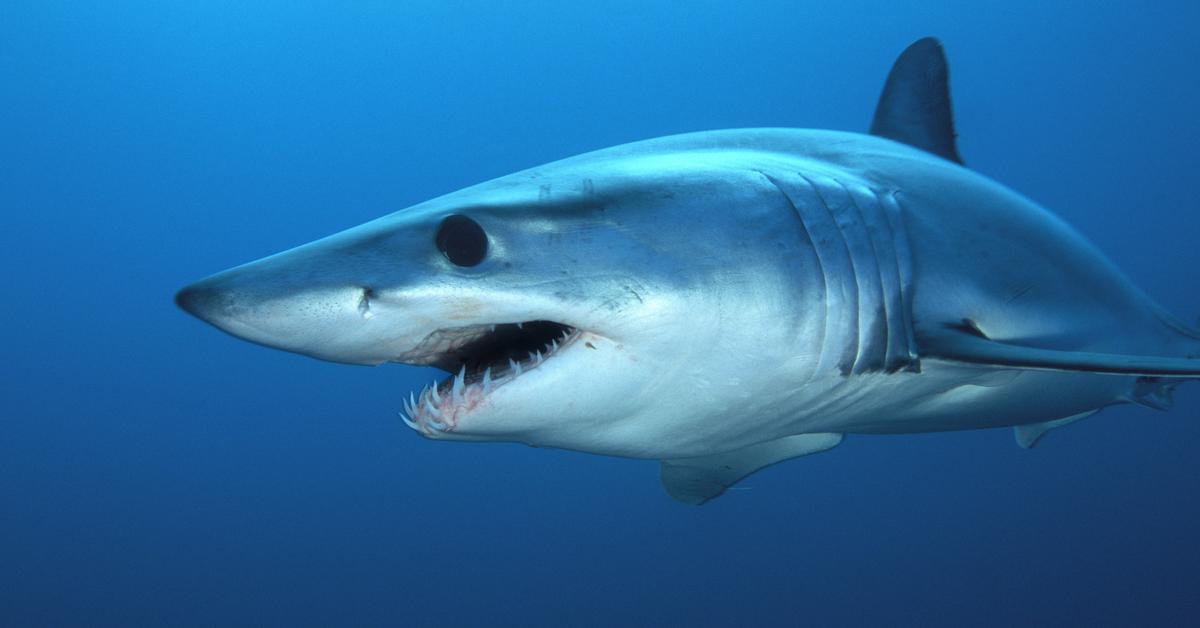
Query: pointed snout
[340, 298]
[317, 300]
[202, 299]
[268, 307]
[235, 300]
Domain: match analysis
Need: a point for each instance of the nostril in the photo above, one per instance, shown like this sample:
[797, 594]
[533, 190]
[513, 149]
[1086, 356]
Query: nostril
[364, 302]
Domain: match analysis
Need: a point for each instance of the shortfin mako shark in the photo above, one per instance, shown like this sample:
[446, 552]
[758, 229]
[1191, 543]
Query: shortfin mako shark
[725, 300]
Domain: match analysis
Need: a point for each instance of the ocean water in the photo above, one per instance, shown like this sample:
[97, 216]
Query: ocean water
[154, 472]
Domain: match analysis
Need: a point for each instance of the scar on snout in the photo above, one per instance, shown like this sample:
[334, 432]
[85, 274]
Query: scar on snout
[589, 345]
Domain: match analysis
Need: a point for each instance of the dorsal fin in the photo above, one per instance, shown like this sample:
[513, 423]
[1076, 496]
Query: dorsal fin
[914, 107]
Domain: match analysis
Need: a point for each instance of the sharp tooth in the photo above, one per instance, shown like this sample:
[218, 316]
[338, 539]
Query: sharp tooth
[433, 394]
[538, 357]
[434, 411]
[553, 345]
[409, 422]
[515, 366]
[520, 325]
[487, 380]
[531, 357]
[459, 383]
[412, 402]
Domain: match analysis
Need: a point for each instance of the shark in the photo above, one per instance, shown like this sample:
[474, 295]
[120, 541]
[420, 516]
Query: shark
[725, 300]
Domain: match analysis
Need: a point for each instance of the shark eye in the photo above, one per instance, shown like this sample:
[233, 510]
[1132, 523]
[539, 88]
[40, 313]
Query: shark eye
[462, 240]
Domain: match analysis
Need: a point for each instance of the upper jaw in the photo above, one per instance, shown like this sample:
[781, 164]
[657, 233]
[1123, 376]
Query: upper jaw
[481, 345]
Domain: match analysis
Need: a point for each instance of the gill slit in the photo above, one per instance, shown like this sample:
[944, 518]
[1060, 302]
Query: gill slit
[872, 308]
[851, 292]
[821, 265]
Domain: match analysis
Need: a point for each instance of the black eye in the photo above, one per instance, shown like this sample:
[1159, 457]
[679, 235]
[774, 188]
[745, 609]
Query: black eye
[462, 240]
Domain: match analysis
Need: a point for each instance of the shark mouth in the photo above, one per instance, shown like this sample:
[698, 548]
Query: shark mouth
[485, 357]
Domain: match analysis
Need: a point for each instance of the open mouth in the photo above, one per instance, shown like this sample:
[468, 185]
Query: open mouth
[481, 358]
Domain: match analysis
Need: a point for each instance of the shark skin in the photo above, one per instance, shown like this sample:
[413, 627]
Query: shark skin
[726, 300]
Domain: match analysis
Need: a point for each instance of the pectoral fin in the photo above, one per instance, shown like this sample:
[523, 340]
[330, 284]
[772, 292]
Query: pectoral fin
[1029, 435]
[697, 480]
[964, 343]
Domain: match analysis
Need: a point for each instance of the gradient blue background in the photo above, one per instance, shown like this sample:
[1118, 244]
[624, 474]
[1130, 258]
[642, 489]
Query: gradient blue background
[156, 472]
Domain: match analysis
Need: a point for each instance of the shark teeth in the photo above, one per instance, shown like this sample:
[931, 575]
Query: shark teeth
[438, 407]
[410, 411]
[460, 381]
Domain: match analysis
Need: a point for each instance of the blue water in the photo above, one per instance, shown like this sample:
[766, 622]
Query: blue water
[156, 472]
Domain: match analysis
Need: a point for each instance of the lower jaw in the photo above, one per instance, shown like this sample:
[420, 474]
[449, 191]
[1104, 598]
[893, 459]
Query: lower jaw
[436, 411]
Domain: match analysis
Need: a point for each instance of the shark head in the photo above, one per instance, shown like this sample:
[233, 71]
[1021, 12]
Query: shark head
[581, 305]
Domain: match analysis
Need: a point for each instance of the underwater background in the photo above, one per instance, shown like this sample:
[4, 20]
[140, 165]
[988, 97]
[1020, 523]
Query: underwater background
[156, 472]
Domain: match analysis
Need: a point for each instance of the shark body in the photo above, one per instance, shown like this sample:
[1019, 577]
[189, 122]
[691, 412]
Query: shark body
[725, 300]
